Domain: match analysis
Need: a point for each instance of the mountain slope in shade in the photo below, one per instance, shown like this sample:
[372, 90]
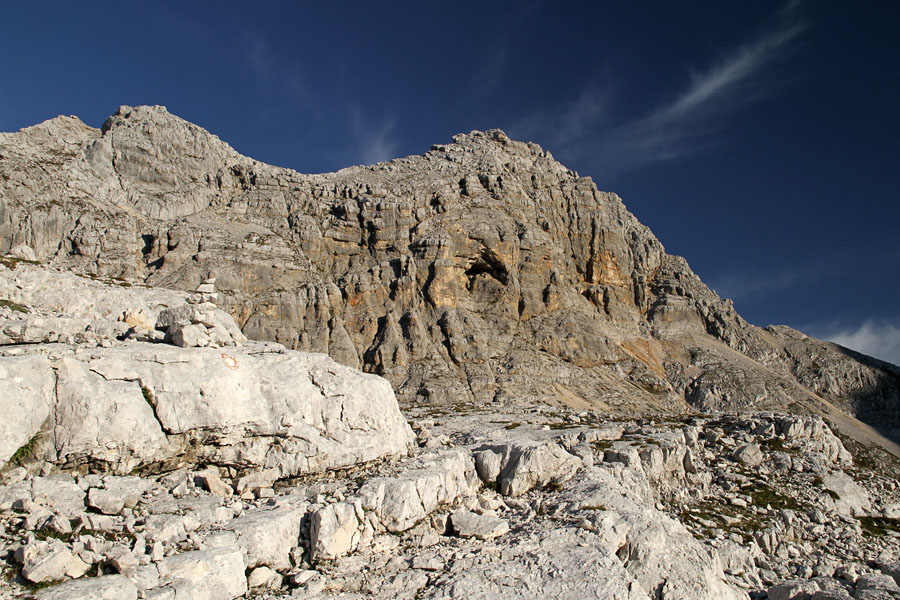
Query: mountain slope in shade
[482, 271]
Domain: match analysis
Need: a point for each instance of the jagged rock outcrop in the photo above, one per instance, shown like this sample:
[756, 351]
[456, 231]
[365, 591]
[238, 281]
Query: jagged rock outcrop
[482, 270]
[90, 397]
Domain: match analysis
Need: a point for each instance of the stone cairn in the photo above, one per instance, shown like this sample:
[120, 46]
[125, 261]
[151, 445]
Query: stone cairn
[199, 322]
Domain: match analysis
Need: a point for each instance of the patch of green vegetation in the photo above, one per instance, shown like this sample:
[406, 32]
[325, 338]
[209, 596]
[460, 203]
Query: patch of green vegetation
[601, 445]
[513, 425]
[593, 507]
[113, 536]
[868, 459]
[11, 262]
[148, 396]
[879, 526]
[491, 485]
[726, 517]
[15, 306]
[763, 496]
[557, 426]
[26, 451]
[45, 534]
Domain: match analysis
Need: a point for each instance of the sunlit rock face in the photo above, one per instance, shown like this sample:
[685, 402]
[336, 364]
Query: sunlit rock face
[481, 271]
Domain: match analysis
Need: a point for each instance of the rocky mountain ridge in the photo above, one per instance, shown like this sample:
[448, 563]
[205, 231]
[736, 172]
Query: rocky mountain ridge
[156, 453]
[482, 271]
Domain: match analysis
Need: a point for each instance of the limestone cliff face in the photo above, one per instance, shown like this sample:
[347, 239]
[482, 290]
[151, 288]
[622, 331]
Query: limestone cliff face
[482, 270]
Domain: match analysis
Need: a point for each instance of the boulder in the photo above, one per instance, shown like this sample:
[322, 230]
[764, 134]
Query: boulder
[400, 502]
[49, 560]
[136, 404]
[334, 530]
[266, 536]
[530, 464]
[749, 455]
[467, 524]
[216, 574]
[849, 498]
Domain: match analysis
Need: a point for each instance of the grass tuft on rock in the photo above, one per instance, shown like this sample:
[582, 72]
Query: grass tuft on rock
[14, 306]
[148, 396]
[26, 451]
[879, 526]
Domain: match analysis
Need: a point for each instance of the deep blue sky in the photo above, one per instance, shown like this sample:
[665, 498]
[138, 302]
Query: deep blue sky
[760, 140]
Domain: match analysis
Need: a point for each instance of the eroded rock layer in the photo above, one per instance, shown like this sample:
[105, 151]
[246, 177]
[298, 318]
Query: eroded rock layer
[480, 271]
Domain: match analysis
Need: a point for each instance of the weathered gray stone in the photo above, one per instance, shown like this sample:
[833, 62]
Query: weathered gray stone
[749, 455]
[852, 499]
[879, 582]
[216, 574]
[188, 336]
[257, 479]
[47, 561]
[264, 578]
[533, 464]
[109, 587]
[59, 492]
[26, 392]
[211, 481]
[468, 524]
[106, 501]
[122, 560]
[792, 590]
[267, 536]
[334, 530]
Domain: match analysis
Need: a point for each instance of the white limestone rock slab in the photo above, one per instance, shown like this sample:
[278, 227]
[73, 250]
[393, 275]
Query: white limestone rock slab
[334, 530]
[215, 574]
[529, 464]
[59, 492]
[324, 415]
[402, 501]
[562, 564]
[49, 560]
[852, 499]
[108, 587]
[103, 419]
[133, 404]
[467, 524]
[26, 397]
[267, 535]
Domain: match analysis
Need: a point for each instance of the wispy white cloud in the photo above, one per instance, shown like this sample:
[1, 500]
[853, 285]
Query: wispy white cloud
[876, 337]
[375, 141]
[584, 129]
[276, 74]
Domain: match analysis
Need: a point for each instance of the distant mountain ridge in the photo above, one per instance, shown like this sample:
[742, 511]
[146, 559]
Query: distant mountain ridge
[482, 271]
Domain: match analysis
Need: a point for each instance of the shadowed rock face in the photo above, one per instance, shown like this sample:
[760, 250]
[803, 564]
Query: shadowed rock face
[482, 270]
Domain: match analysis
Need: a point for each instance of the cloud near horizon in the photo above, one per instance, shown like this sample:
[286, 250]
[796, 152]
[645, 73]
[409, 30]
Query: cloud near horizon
[876, 337]
[584, 129]
[374, 143]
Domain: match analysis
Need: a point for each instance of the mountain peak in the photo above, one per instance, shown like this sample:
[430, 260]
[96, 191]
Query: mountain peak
[483, 271]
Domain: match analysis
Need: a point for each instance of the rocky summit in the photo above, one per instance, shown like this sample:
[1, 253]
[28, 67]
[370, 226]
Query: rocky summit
[466, 374]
